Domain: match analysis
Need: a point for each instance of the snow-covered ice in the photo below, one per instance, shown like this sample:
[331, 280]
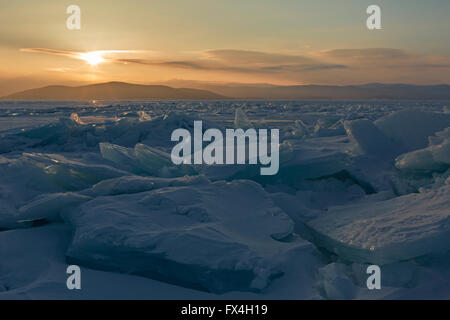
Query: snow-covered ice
[359, 183]
[397, 229]
[435, 157]
[189, 235]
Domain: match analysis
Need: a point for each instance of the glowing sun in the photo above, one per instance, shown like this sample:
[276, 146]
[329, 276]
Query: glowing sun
[93, 58]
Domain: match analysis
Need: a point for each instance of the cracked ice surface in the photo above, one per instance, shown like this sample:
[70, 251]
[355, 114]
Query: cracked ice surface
[359, 183]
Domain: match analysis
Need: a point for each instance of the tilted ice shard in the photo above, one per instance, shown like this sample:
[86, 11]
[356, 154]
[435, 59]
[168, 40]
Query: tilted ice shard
[122, 156]
[152, 159]
[143, 159]
[299, 129]
[71, 134]
[309, 158]
[435, 157]
[49, 206]
[324, 129]
[135, 184]
[158, 163]
[75, 118]
[409, 129]
[143, 116]
[369, 138]
[67, 173]
[240, 120]
[26, 177]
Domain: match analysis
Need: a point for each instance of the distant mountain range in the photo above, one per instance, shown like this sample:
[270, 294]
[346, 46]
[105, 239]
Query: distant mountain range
[127, 91]
[372, 91]
[113, 91]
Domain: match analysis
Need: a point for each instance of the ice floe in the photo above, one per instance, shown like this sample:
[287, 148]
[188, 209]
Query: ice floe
[387, 231]
[217, 237]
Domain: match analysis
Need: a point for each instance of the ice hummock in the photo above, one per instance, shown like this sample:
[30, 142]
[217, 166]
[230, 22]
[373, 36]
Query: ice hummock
[143, 159]
[410, 129]
[298, 130]
[369, 138]
[216, 237]
[71, 134]
[387, 231]
[435, 157]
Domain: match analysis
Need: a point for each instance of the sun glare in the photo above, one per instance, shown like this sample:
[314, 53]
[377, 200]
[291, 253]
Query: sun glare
[93, 58]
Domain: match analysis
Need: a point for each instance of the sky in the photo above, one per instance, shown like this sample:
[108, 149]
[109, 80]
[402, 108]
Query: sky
[282, 42]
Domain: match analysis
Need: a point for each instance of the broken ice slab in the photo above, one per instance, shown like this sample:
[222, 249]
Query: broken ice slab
[216, 237]
[143, 159]
[387, 231]
[409, 129]
[159, 163]
[24, 178]
[49, 206]
[307, 159]
[370, 140]
[68, 173]
[241, 120]
[135, 184]
[123, 157]
[435, 157]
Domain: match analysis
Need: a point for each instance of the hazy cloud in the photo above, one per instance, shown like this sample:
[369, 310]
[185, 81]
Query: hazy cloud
[337, 66]
[368, 53]
[214, 60]
[384, 57]
[256, 57]
[51, 51]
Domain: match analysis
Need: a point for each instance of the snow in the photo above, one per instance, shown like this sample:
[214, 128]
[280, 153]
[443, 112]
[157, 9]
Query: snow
[359, 183]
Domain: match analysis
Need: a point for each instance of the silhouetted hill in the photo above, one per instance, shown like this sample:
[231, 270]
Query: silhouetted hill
[316, 92]
[126, 91]
[114, 91]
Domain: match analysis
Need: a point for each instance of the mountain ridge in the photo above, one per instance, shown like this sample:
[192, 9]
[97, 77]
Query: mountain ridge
[333, 92]
[127, 91]
[113, 91]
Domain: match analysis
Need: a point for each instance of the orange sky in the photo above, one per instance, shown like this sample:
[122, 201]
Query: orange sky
[252, 41]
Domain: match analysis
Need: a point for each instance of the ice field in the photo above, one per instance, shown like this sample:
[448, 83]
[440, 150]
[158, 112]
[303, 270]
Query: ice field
[92, 184]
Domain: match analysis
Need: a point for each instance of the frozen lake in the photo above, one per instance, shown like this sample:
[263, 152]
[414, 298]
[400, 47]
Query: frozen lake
[21, 114]
[92, 184]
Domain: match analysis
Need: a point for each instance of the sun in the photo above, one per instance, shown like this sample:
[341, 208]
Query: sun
[93, 58]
